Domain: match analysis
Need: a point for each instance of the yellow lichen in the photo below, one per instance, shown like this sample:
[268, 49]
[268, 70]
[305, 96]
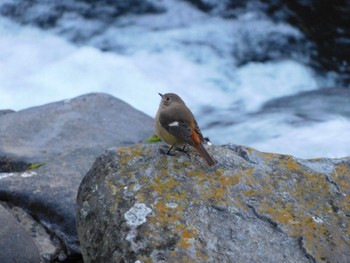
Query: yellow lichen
[185, 236]
[342, 170]
[298, 211]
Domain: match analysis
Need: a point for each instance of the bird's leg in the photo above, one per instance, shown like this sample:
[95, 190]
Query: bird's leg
[183, 149]
[167, 151]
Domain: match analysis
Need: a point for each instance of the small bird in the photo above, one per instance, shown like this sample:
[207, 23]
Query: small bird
[176, 125]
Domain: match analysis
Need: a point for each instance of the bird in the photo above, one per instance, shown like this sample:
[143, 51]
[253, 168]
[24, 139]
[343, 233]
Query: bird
[176, 126]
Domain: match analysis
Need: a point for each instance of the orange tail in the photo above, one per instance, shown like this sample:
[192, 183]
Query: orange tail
[203, 152]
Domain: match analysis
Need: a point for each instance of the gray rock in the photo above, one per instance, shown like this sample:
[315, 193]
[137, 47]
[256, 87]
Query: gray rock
[65, 138]
[138, 205]
[49, 246]
[16, 244]
[3, 112]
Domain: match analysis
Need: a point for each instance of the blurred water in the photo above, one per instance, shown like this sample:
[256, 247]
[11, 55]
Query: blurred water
[226, 69]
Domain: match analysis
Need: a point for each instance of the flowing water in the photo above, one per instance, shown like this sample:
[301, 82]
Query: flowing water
[250, 76]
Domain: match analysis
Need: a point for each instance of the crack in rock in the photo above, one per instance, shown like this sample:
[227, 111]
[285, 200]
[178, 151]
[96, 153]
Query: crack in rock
[303, 249]
[265, 218]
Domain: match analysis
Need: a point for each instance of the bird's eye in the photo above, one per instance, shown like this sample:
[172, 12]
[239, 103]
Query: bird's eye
[167, 99]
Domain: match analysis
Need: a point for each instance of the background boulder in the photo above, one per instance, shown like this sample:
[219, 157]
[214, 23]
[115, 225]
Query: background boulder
[45, 152]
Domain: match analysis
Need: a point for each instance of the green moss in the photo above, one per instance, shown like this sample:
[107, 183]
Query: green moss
[34, 166]
[153, 138]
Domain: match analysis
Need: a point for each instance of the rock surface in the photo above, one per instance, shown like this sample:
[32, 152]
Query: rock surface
[62, 140]
[138, 205]
[16, 244]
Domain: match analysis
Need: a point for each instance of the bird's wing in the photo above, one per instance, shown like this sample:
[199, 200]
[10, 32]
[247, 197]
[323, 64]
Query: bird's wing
[177, 127]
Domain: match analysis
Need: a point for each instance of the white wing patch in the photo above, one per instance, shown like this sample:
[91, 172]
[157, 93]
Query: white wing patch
[175, 123]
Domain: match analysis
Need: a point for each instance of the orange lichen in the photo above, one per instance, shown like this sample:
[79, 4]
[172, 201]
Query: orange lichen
[342, 177]
[186, 238]
[286, 193]
[342, 170]
[165, 214]
[163, 187]
[269, 155]
[290, 163]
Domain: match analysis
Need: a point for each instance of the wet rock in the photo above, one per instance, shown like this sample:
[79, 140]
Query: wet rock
[326, 24]
[16, 244]
[47, 150]
[138, 205]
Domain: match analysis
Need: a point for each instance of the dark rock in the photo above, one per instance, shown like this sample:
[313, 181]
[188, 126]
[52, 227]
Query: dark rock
[256, 46]
[138, 205]
[49, 246]
[16, 244]
[325, 25]
[225, 8]
[205, 6]
[64, 138]
[279, 45]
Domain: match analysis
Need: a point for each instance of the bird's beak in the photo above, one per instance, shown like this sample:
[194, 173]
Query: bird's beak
[160, 95]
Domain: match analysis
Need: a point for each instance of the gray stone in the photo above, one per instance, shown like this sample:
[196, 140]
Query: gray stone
[65, 138]
[16, 244]
[48, 245]
[3, 112]
[138, 205]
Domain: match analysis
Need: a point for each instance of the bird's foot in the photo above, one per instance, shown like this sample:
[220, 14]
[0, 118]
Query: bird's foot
[184, 149]
[166, 151]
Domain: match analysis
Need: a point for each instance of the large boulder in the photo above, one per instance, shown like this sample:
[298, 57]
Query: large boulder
[139, 205]
[46, 151]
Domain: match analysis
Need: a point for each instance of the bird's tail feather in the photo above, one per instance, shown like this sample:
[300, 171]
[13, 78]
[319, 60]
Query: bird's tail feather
[203, 152]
